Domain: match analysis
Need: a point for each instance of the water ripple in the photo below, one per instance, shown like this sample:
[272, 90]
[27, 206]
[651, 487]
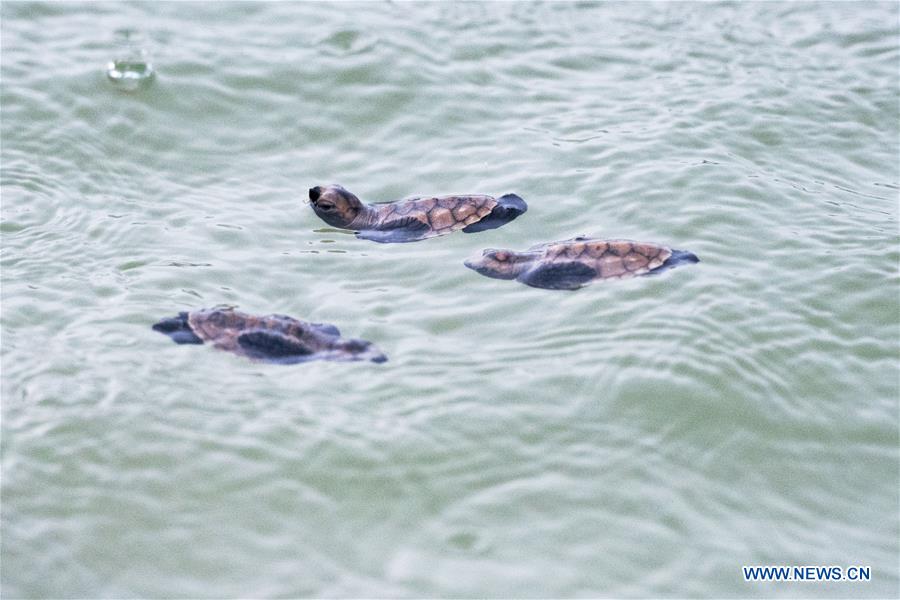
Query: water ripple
[638, 438]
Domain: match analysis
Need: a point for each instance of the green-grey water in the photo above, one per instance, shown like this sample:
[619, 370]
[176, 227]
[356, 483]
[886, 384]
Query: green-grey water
[644, 438]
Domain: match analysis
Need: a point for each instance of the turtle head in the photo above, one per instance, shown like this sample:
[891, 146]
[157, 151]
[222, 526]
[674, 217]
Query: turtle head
[353, 349]
[335, 205]
[500, 264]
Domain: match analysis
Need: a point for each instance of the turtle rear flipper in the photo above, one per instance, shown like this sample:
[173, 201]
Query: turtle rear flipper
[678, 257]
[272, 346]
[508, 208]
[407, 229]
[178, 329]
[559, 276]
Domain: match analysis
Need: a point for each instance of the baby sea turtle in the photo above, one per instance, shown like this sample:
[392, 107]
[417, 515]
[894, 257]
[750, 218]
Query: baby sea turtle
[571, 264]
[413, 219]
[272, 338]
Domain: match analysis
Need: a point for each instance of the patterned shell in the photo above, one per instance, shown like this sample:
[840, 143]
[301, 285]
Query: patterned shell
[611, 259]
[222, 327]
[436, 216]
[271, 338]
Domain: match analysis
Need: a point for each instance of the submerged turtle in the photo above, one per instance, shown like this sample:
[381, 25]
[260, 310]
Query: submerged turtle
[571, 264]
[413, 219]
[272, 338]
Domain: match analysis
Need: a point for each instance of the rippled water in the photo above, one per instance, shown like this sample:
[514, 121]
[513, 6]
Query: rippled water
[641, 438]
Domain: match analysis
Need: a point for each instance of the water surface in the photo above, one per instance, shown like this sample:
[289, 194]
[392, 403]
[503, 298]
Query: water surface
[637, 439]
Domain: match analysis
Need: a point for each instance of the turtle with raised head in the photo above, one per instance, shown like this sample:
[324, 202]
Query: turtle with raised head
[413, 219]
[271, 338]
[572, 264]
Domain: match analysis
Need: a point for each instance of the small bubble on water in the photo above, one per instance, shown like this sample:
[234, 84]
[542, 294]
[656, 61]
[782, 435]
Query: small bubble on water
[130, 69]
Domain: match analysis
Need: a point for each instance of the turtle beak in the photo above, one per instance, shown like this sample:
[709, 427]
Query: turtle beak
[474, 263]
[490, 268]
[477, 263]
[314, 193]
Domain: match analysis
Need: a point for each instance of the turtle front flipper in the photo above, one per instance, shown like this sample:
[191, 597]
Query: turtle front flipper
[558, 276]
[508, 208]
[398, 231]
[326, 328]
[272, 346]
[178, 329]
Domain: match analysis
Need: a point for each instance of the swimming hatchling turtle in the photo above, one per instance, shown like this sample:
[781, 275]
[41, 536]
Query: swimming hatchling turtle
[571, 264]
[413, 219]
[272, 338]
